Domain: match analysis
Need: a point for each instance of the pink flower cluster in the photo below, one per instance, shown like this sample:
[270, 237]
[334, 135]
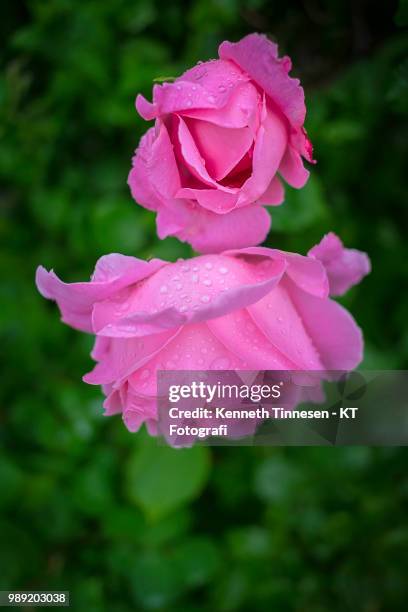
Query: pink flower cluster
[226, 133]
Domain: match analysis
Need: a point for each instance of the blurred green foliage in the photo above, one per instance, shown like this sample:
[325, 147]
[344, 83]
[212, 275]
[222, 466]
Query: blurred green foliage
[85, 505]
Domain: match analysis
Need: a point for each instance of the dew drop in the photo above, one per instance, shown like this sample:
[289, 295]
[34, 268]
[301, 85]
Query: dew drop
[209, 266]
[207, 282]
[194, 278]
[223, 270]
[220, 363]
[205, 299]
[211, 99]
[163, 289]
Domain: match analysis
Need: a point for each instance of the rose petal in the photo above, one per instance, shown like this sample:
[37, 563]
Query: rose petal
[277, 317]
[212, 199]
[344, 267]
[258, 56]
[239, 333]
[154, 177]
[274, 194]
[222, 148]
[213, 285]
[292, 169]
[211, 233]
[269, 148]
[241, 109]
[75, 300]
[199, 87]
[336, 336]
[125, 355]
[306, 272]
[193, 158]
[194, 348]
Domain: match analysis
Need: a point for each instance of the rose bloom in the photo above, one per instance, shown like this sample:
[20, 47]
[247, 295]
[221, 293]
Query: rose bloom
[225, 134]
[255, 308]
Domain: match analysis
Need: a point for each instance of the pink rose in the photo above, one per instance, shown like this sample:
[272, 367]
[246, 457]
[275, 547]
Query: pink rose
[255, 308]
[223, 133]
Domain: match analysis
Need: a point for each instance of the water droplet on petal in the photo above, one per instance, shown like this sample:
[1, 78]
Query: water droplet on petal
[205, 299]
[163, 289]
[220, 363]
[207, 282]
[223, 270]
[209, 266]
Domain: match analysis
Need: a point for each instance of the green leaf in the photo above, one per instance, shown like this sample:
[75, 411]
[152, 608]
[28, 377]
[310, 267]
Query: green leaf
[155, 581]
[161, 478]
[197, 560]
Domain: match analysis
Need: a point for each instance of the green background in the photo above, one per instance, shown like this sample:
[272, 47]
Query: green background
[85, 505]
